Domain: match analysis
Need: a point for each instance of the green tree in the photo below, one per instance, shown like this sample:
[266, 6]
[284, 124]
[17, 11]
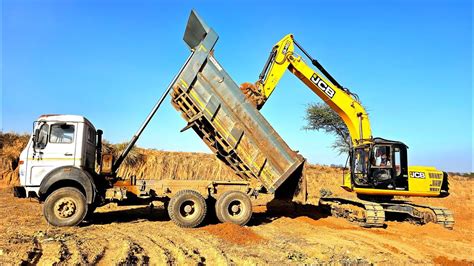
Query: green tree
[320, 117]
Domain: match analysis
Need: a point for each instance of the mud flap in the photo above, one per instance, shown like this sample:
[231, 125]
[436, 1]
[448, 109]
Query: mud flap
[19, 192]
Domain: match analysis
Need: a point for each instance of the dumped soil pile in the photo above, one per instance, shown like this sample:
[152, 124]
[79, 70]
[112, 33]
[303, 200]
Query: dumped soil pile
[233, 233]
[447, 262]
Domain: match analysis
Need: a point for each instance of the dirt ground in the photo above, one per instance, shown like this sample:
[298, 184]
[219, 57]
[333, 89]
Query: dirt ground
[279, 235]
[124, 234]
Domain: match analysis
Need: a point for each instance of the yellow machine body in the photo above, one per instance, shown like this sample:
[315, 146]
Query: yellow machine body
[419, 180]
[423, 181]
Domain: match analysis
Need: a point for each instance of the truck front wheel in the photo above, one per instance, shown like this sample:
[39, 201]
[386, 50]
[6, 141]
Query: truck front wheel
[65, 207]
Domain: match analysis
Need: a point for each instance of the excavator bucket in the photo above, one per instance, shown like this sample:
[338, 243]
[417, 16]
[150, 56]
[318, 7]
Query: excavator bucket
[196, 31]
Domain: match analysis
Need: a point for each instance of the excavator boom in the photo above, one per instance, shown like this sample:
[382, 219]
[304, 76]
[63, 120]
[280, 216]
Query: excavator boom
[341, 100]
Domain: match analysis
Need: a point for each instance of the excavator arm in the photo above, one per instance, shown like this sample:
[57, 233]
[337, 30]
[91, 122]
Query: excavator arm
[341, 100]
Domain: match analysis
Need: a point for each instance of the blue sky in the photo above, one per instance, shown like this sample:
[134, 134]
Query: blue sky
[410, 62]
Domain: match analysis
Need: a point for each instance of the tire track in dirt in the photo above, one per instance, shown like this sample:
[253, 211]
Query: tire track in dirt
[120, 248]
[383, 247]
[202, 250]
[64, 253]
[135, 255]
[169, 259]
[177, 245]
[170, 254]
[286, 244]
[34, 254]
[182, 253]
[51, 253]
[216, 254]
[306, 243]
[382, 243]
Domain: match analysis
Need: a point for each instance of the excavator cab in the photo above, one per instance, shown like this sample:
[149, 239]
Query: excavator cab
[381, 164]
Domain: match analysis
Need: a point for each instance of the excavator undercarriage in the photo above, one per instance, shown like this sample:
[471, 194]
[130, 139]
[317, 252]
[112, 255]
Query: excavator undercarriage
[374, 214]
[364, 213]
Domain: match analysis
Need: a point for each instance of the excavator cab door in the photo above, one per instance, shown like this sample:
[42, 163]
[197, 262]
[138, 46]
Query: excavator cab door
[388, 166]
[381, 165]
[360, 166]
[400, 165]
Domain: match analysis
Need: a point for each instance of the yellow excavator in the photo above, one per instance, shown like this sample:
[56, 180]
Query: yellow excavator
[378, 167]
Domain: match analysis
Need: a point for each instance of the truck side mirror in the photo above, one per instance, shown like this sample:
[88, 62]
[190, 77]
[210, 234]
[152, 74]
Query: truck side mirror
[35, 137]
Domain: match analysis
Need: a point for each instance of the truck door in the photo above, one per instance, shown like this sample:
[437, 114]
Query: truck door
[56, 146]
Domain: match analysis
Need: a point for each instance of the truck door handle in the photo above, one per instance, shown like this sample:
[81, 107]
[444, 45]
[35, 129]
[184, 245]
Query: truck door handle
[68, 154]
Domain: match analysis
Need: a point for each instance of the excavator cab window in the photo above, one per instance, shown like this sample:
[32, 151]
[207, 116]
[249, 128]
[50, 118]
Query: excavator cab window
[381, 167]
[397, 161]
[381, 156]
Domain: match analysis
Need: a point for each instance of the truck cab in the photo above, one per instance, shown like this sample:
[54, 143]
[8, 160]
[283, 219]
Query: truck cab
[57, 141]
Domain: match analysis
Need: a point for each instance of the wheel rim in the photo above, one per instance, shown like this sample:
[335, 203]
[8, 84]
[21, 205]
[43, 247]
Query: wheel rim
[65, 208]
[235, 208]
[189, 210]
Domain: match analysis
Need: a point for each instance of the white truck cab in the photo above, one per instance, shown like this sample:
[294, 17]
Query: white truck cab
[61, 140]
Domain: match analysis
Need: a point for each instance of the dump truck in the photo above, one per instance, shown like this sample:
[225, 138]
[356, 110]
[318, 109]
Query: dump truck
[64, 167]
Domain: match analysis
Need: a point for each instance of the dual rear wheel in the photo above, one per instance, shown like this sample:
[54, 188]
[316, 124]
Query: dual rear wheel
[188, 208]
[234, 207]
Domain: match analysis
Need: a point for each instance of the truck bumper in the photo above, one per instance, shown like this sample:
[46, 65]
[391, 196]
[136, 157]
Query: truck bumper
[19, 192]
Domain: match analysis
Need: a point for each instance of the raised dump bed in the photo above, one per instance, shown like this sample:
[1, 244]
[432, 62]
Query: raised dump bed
[215, 108]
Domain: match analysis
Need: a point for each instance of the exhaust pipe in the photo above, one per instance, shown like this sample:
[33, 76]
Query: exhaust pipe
[99, 147]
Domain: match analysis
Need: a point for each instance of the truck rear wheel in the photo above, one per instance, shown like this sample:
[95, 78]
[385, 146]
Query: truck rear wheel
[187, 208]
[65, 207]
[234, 207]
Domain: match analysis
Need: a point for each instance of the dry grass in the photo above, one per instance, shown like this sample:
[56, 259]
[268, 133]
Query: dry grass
[11, 145]
[177, 165]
